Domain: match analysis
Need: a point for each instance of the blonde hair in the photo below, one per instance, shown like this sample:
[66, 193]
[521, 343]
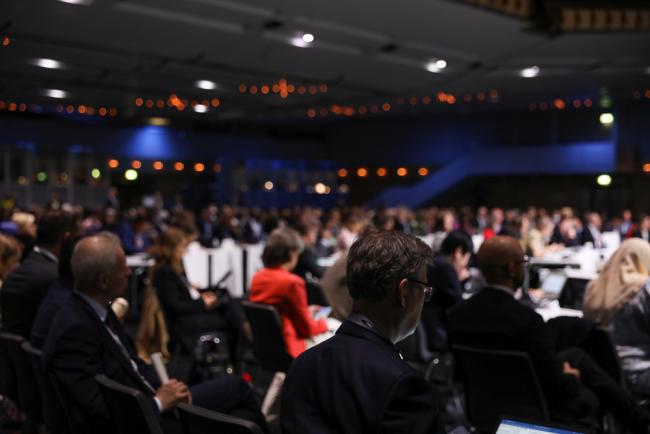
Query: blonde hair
[620, 280]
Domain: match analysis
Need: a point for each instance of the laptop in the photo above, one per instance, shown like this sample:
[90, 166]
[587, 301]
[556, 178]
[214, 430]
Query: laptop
[553, 284]
[517, 426]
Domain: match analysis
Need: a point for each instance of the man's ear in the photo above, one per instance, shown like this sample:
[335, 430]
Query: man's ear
[402, 290]
[103, 280]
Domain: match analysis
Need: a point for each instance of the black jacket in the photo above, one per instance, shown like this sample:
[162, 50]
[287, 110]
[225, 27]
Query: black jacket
[79, 347]
[56, 297]
[493, 319]
[356, 382]
[23, 291]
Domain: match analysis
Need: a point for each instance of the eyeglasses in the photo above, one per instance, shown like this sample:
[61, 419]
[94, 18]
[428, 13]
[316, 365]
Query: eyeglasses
[428, 289]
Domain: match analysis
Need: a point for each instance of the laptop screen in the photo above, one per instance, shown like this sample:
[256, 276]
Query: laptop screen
[508, 426]
[554, 283]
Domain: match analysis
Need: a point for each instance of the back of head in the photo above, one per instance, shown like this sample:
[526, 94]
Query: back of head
[280, 245]
[52, 227]
[379, 259]
[495, 254]
[620, 280]
[10, 253]
[455, 240]
[93, 256]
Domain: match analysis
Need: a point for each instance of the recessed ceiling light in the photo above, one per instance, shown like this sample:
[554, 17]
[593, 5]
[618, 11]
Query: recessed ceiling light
[530, 72]
[78, 2]
[206, 84]
[606, 119]
[436, 65]
[308, 38]
[200, 108]
[56, 93]
[48, 63]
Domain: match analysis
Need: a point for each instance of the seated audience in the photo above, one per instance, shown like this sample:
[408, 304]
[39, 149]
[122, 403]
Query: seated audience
[566, 233]
[191, 312]
[356, 382]
[86, 339]
[277, 286]
[10, 253]
[26, 231]
[27, 285]
[493, 319]
[591, 232]
[620, 298]
[352, 226]
[448, 270]
[643, 231]
[307, 266]
[57, 295]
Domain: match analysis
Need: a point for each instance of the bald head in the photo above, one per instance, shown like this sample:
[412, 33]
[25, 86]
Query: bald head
[499, 259]
[94, 258]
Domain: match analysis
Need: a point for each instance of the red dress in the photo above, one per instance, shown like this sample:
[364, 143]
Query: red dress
[287, 293]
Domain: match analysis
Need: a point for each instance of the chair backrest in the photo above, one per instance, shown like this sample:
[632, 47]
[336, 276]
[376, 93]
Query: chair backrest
[131, 411]
[197, 420]
[497, 384]
[268, 342]
[54, 412]
[8, 386]
[29, 396]
[601, 348]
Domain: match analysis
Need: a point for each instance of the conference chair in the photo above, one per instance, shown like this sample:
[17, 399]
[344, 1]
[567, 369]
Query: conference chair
[131, 411]
[197, 420]
[268, 343]
[601, 348]
[270, 352]
[8, 386]
[29, 396]
[54, 412]
[497, 384]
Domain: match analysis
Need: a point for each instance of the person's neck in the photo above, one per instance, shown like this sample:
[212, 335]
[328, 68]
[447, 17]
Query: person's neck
[99, 298]
[380, 318]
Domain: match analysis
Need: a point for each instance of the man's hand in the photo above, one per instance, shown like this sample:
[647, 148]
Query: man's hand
[210, 299]
[172, 393]
[567, 369]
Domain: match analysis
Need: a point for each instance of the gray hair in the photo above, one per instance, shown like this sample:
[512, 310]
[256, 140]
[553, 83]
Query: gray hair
[89, 262]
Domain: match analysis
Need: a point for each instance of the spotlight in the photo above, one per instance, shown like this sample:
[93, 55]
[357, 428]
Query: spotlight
[529, 72]
[199, 167]
[320, 188]
[436, 65]
[268, 186]
[56, 93]
[308, 38]
[200, 108]
[113, 164]
[78, 2]
[423, 171]
[646, 167]
[402, 171]
[607, 119]
[131, 175]
[96, 173]
[158, 165]
[136, 164]
[206, 84]
[604, 180]
[48, 63]
[41, 176]
[179, 166]
[362, 172]
[342, 173]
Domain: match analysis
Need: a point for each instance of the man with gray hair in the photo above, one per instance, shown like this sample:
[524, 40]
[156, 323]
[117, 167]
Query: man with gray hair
[86, 339]
[357, 382]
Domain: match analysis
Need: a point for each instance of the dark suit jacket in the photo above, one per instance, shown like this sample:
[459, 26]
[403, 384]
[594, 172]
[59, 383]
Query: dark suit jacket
[587, 237]
[493, 319]
[56, 297]
[23, 292]
[79, 347]
[356, 382]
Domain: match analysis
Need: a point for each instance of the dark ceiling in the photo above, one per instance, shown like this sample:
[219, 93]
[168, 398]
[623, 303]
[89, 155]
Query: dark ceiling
[366, 54]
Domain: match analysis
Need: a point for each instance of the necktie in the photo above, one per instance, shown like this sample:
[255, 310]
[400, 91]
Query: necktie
[112, 329]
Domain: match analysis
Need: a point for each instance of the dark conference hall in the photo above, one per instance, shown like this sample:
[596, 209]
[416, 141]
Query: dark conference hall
[343, 217]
